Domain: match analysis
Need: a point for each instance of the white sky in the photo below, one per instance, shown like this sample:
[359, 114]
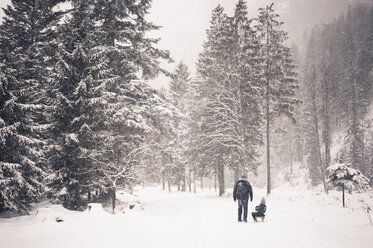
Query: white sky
[184, 24]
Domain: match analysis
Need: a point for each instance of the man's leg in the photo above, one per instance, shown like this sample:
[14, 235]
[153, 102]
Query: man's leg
[245, 203]
[239, 209]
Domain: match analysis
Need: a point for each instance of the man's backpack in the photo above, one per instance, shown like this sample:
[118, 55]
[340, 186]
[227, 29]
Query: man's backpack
[241, 190]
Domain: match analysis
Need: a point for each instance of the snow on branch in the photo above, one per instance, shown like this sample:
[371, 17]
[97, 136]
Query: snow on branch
[342, 175]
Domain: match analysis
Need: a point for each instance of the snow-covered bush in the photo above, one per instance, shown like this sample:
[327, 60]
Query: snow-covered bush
[340, 174]
[343, 176]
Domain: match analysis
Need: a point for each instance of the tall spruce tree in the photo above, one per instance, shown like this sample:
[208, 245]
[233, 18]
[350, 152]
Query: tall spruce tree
[26, 42]
[160, 155]
[231, 116]
[356, 83]
[279, 82]
[212, 70]
[311, 114]
[122, 55]
[103, 110]
[246, 84]
[179, 87]
[76, 108]
[193, 152]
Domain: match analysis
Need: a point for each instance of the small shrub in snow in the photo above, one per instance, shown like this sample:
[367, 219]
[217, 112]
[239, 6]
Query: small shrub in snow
[343, 176]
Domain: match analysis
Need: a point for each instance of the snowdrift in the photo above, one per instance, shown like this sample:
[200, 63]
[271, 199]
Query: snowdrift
[96, 210]
[126, 203]
[54, 213]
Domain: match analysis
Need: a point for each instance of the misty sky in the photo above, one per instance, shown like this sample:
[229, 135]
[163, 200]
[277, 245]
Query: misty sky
[184, 23]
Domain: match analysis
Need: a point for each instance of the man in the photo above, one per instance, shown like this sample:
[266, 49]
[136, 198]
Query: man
[242, 191]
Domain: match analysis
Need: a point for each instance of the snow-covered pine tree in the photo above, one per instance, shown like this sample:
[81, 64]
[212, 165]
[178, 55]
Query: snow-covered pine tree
[348, 178]
[134, 133]
[122, 55]
[339, 61]
[26, 42]
[179, 84]
[356, 86]
[327, 63]
[312, 105]
[210, 61]
[158, 160]
[231, 115]
[76, 110]
[212, 68]
[246, 85]
[369, 155]
[193, 151]
[288, 139]
[278, 77]
[179, 87]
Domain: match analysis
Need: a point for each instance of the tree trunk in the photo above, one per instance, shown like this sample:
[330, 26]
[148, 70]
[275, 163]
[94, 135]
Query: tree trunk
[215, 181]
[343, 195]
[194, 184]
[321, 163]
[221, 178]
[163, 180]
[327, 145]
[243, 159]
[267, 113]
[190, 180]
[355, 126]
[194, 187]
[78, 199]
[113, 198]
[326, 133]
[184, 185]
[317, 136]
[291, 157]
[201, 182]
[169, 185]
[302, 154]
[268, 154]
[243, 169]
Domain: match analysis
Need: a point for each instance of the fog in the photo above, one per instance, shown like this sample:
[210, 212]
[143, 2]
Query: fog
[184, 23]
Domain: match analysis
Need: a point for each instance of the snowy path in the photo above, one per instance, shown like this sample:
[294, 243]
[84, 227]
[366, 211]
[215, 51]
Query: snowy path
[195, 220]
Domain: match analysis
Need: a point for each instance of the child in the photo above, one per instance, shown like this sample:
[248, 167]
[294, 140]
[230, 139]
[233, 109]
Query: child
[260, 210]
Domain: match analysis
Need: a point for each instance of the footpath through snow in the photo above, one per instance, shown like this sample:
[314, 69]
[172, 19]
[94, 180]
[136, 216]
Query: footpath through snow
[193, 220]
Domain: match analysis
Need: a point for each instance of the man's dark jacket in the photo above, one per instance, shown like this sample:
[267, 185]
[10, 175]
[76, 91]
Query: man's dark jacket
[248, 191]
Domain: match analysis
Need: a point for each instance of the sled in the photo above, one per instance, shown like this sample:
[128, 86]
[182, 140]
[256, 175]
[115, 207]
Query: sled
[261, 217]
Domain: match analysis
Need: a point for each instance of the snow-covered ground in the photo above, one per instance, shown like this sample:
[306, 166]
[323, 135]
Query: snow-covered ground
[295, 218]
